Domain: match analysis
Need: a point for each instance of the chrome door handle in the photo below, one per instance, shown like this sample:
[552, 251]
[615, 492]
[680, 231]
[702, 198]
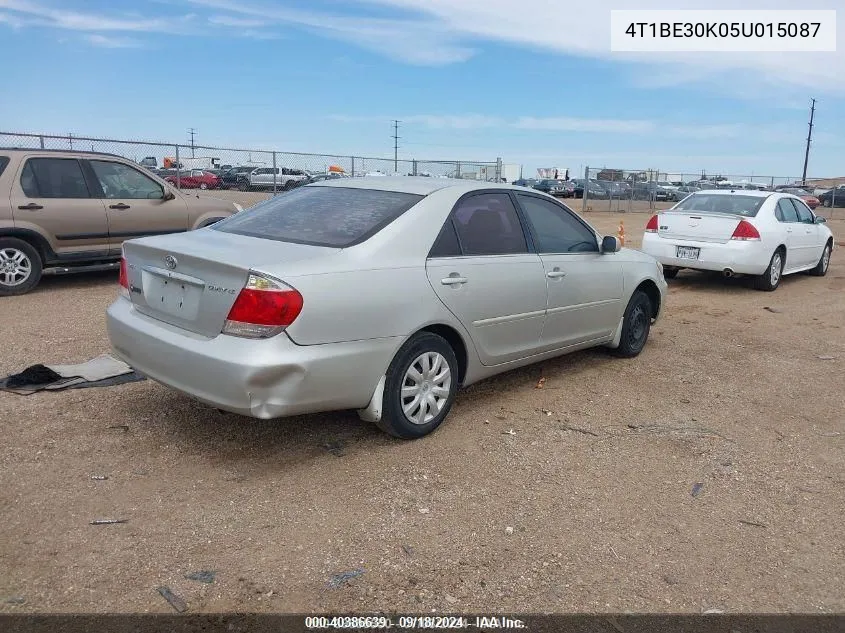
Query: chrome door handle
[449, 281]
[789, 230]
[557, 273]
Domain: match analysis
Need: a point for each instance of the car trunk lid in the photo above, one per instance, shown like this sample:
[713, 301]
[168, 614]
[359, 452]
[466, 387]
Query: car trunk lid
[191, 280]
[698, 226]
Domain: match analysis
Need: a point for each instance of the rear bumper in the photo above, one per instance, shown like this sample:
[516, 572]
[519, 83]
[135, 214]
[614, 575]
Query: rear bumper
[742, 257]
[267, 378]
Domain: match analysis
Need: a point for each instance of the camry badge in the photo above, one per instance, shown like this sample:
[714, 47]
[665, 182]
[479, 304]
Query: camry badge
[170, 262]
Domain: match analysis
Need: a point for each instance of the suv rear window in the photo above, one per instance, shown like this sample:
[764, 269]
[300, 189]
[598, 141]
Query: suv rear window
[746, 206]
[321, 216]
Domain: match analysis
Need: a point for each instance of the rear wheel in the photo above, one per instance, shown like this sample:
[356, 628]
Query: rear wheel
[824, 262]
[203, 186]
[826, 202]
[770, 280]
[420, 387]
[636, 325]
[20, 267]
[670, 272]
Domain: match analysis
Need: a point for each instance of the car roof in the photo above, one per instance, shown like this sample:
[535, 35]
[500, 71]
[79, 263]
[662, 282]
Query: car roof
[26, 150]
[419, 185]
[737, 192]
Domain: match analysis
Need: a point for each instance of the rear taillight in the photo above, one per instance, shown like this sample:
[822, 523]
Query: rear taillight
[123, 279]
[651, 227]
[263, 308]
[745, 231]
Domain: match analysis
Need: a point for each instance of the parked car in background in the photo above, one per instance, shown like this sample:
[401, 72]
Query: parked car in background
[281, 178]
[195, 179]
[436, 279]
[66, 211]
[834, 197]
[757, 233]
[594, 190]
[681, 192]
[614, 189]
[236, 177]
[551, 187]
[805, 195]
[651, 191]
[329, 176]
[525, 182]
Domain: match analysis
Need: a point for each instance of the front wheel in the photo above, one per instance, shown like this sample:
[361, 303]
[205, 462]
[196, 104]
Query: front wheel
[824, 262]
[20, 267]
[826, 203]
[203, 186]
[420, 387]
[636, 325]
[770, 280]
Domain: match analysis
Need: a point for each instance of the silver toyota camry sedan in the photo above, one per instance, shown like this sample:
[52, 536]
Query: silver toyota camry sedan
[382, 295]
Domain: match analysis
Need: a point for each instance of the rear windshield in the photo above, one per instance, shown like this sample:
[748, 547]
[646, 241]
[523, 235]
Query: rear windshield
[321, 216]
[746, 206]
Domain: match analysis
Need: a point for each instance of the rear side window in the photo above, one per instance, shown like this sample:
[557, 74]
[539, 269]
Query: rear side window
[446, 244]
[804, 213]
[53, 178]
[4, 160]
[321, 216]
[785, 212]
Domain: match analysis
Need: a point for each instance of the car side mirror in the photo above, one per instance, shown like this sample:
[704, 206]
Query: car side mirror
[167, 195]
[610, 244]
[820, 220]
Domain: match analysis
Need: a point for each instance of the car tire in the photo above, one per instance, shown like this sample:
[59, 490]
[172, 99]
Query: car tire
[400, 417]
[670, 272]
[243, 187]
[770, 280]
[826, 203]
[24, 263]
[636, 325]
[824, 262]
[203, 186]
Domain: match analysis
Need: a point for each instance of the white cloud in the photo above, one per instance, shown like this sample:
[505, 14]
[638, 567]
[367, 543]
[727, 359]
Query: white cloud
[568, 124]
[105, 41]
[228, 20]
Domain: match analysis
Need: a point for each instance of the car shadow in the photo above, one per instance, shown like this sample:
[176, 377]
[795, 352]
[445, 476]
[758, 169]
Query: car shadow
[710, 281]
[50, 283]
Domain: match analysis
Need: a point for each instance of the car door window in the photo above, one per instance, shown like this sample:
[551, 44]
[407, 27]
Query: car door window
[556, 229]
[53, 178]
[785, 211]
[804, 213]
[446, 244]
[122, 181]
[487, 224]
[4, 160]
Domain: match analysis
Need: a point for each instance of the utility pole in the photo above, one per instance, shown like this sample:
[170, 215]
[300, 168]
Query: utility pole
[395, 138]
[809, 140]
[191, 132]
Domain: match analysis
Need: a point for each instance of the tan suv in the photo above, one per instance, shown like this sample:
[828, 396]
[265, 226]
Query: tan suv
[65, 211]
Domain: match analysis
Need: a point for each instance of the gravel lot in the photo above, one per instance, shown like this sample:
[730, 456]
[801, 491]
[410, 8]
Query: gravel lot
[576, 496]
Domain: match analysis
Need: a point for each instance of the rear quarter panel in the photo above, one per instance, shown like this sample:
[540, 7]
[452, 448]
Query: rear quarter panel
[378, 288]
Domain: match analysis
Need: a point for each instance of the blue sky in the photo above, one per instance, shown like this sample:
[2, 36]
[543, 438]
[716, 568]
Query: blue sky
[532, 82]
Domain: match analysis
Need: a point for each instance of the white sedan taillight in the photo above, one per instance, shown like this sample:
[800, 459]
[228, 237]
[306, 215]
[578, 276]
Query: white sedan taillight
[264, 308]
[123, 279]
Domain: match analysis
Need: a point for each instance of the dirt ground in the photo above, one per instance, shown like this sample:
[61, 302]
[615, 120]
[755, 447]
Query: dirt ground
[577, 496]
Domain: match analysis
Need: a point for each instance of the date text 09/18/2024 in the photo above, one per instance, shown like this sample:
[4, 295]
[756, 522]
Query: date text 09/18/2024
[411, 622]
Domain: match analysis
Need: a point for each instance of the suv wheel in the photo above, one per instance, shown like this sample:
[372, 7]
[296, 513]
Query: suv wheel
[20, 267]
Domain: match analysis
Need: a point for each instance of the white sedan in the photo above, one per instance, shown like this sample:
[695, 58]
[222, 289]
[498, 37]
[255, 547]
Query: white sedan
[757, 233]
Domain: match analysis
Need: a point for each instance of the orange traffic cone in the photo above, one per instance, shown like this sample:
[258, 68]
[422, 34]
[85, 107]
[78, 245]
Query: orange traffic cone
[621, 233]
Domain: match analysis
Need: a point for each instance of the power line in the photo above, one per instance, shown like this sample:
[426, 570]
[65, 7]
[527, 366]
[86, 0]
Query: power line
[395, 138]
[191, 132]
[809, 140]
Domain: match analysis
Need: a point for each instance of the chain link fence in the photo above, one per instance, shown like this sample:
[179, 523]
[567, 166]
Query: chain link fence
[647, 190]
[248, 176]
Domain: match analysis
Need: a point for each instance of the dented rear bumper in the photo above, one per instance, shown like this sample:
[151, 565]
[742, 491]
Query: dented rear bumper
[263, 378]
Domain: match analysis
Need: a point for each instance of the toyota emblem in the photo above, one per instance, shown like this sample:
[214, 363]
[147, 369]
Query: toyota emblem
[170, 261]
